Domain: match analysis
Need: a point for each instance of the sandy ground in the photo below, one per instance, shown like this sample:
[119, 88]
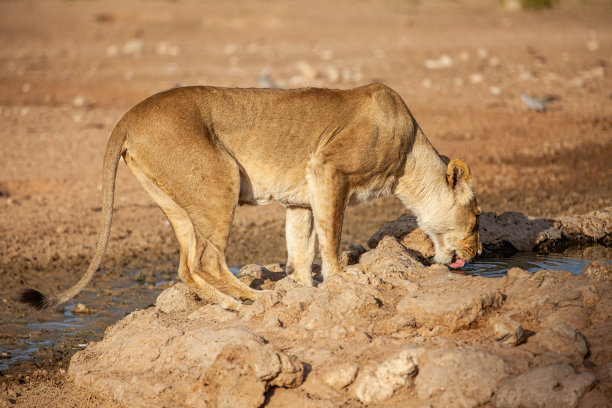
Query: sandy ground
[69, 70]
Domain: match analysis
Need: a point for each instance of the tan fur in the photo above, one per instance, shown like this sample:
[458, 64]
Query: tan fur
[200, 151]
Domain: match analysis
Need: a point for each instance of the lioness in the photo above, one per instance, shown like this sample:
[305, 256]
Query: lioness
[200, 151]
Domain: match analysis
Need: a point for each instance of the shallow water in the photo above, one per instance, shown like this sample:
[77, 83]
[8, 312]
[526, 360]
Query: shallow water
[46, 334]
[572, 260]
[529, 261]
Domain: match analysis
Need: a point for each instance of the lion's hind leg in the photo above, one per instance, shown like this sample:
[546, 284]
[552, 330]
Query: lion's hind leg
[212, 221]
[185, 235]
[188, 264]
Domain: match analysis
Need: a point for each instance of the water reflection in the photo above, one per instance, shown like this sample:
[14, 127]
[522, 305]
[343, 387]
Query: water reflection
[529, 261]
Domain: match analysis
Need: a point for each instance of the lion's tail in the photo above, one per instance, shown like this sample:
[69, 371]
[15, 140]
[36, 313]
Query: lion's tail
[114, 151]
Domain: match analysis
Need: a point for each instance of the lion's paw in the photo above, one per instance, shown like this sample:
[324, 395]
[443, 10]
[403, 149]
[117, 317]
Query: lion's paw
[305, 281]
[229, 303]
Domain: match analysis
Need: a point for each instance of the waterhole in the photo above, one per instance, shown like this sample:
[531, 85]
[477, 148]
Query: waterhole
[495, 267]
[572, 260]
[48, 336]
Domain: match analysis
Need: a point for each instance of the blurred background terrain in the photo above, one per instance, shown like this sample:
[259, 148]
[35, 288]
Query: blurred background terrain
[70, 69]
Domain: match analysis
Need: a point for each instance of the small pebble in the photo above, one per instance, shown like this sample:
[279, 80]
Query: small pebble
[476, 78]
[327, 54]
[332, 74]
[230, 49]
[592, 45]
[78, 101]
[80, 308]
[306, 70]
[133, 47]
[444, 61]
[507, 331]
[112, 51]
[165, 48]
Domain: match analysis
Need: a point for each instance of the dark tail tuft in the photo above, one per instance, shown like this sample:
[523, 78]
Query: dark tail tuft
[33, 298]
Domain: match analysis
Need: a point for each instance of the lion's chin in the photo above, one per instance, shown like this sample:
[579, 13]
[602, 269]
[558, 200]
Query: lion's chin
[443, 258]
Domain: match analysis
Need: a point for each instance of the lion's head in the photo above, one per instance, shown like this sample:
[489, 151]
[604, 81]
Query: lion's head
[454, 229]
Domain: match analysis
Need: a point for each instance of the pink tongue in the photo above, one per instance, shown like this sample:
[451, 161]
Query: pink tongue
[457, 263]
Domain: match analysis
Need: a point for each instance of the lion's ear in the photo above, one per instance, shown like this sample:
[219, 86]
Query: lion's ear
[458, 171]
[459, 178]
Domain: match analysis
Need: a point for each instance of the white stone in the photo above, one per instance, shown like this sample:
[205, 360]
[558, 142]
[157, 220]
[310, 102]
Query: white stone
[395, 372]
[340, 375]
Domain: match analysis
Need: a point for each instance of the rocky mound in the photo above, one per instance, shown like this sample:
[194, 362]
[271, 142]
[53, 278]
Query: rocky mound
[393, 332]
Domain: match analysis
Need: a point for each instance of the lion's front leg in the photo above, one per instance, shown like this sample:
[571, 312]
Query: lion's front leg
[329, 196]
[301, 236]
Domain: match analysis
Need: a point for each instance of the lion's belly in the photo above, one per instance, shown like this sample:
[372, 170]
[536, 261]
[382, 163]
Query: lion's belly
[296, 196]
[261, 184]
